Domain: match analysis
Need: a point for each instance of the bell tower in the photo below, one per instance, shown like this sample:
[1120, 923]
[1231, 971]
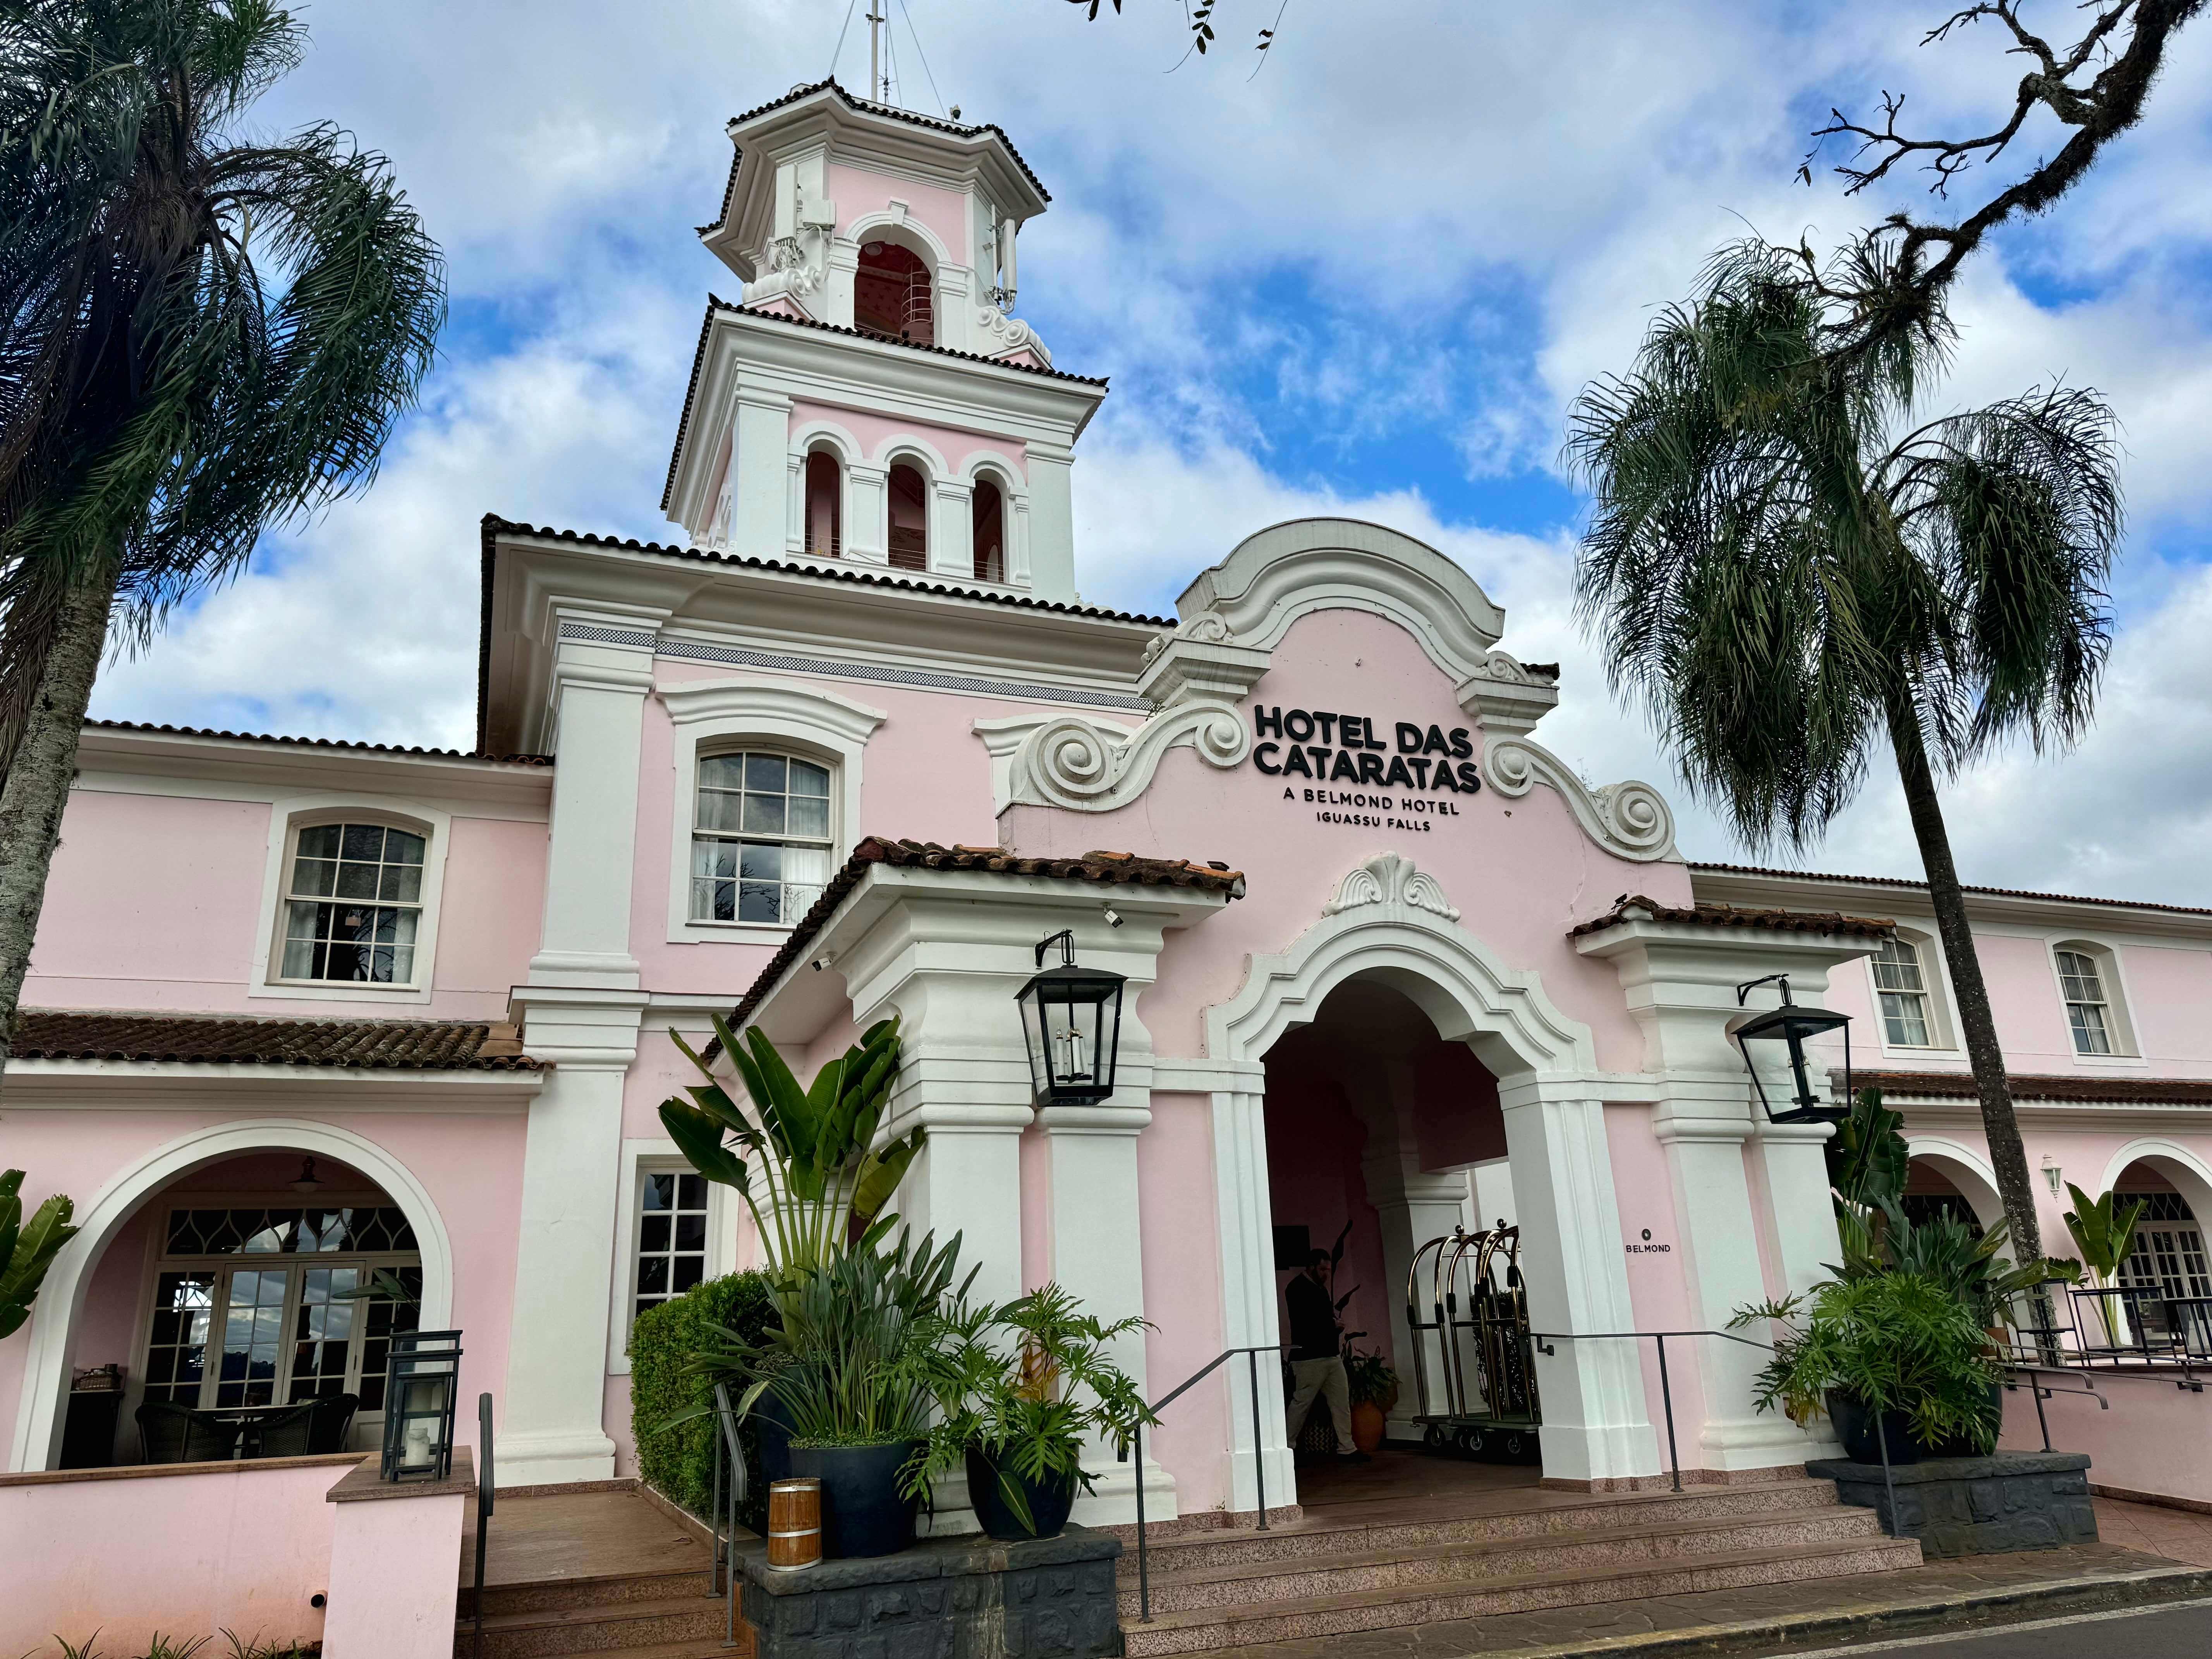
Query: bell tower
[871, 400]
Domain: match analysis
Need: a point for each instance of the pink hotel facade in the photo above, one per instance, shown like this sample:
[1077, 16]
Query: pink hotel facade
[1392, 963]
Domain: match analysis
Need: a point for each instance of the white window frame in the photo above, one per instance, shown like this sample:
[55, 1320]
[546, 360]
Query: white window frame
[287, 818]
[2119, 1022]
[711, 716]
[640, 1158]
[1935, 992]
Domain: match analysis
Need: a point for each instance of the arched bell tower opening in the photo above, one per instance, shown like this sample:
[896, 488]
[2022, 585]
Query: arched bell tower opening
[825, 505]
[910, 517]
[893, 297]
[990, 528]
[1386, 1149]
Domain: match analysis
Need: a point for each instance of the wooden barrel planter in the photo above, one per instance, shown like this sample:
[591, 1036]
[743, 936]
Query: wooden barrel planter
[794, 1525]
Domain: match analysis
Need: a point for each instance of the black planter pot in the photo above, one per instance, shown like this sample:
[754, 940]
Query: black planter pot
[1855, 1427]
[862, 1510]
[1048, 1503]
[1964, 1446]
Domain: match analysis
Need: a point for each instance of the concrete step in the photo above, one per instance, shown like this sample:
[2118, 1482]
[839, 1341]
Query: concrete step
[1206, 1629]
[586, 1590]
[607, 1627]
[1443, 1564]
[1394, 1527]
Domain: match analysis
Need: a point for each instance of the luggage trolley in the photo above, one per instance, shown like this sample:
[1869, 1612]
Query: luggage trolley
[1488, 1385]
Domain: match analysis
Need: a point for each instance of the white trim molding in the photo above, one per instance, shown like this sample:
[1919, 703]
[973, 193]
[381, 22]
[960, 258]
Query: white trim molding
[1987, 1204]
[643, 1156]
[818, 724]
[61, 1302]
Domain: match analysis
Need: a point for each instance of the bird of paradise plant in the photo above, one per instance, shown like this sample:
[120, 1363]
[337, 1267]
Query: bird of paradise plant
[823, 1181]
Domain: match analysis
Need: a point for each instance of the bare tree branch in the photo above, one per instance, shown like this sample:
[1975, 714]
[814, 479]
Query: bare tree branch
[2095, 85]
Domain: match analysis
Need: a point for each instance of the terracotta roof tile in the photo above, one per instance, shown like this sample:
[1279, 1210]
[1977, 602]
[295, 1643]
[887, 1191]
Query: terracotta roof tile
[2098, 1090]
[354, 1044]
[1634, 906]
[1106, 869]
[495, 526]
[320, 743]
[1906, 885]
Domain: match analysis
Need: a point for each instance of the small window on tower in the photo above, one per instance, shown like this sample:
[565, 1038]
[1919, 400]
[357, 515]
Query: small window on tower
[890, 294]
[990, 532]
[825, 537]
[909, 526]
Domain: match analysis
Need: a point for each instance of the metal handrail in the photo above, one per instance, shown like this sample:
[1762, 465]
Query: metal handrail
[484, 1490]
[728, 1495]
[1542, 1339]
[1136, 1446]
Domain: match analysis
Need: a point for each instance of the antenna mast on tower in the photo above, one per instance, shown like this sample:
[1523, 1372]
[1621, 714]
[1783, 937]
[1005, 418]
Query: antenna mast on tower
[879, 84]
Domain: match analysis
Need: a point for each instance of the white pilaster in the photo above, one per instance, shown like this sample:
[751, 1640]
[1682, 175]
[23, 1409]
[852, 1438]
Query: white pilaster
[1052, 523]
[952, 529]
[759, 463]
[1245, 1220]
[867, 514]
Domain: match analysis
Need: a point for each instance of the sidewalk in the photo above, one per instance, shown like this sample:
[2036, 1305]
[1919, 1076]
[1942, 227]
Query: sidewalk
[2149, 1555]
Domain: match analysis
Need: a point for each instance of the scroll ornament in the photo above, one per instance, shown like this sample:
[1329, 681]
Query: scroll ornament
[1390, 878]
[1070, 763]
[1630, 820]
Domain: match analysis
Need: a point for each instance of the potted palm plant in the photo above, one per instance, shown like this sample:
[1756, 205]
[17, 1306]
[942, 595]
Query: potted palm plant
[1021, 1390]
[1374, 1389]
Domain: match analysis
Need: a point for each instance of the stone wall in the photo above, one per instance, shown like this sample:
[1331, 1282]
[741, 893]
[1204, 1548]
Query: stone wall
[1975, 1505]
[952, 1598]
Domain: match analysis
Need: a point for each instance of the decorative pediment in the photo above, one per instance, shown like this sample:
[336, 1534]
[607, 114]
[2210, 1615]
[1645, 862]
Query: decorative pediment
[1630, 820]
[1390, 878]
[1072, 763]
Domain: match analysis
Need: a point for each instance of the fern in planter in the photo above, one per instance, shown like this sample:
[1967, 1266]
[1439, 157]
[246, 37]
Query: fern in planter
[1891, 1342]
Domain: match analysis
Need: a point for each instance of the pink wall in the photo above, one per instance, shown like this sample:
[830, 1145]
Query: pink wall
[1657, 1294]
[187, 1552]
[872, 432]
[393, 1587]
[1315, 1141]
[858, 192]
[155, 902]
[470, 1163]
[1179, 1234]
[1359, 663]
[2152, 1439]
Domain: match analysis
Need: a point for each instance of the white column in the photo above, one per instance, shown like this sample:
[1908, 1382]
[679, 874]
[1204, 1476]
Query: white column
[968, 1180]
[1052, 524]
[1017, 540]
[844, 264]
[1595, 1424]
[867, 514]
[955, 308]
[1719, 1242]
[759, 463]
[579, 1013]
[794, 496]
[1097, 1257]
[951, 530]
[1245, 1217]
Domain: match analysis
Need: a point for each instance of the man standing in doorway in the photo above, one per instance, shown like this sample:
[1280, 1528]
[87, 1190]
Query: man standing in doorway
[1316, 1356]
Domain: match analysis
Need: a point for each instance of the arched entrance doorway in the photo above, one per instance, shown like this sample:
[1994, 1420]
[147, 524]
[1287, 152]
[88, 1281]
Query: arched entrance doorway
[1374, 1125]
[214, 1277]
[1390, 928]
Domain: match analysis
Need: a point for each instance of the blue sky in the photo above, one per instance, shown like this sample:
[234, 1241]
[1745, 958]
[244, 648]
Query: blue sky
[1367, 280]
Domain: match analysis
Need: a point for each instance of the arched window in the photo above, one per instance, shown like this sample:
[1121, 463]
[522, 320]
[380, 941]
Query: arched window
[2090, 988]
[353, 904]
[761, 837]
[891, 296]
[825, 506]
[909, 526]
[2168, 1260]
[990, 510]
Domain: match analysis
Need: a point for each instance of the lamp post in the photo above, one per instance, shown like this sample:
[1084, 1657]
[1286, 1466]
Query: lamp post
[422, 1382]
[1790, 1024]
[1072, 1025]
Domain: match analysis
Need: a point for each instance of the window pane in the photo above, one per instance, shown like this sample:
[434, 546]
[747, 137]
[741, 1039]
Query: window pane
[356, 881]
[756, 862]
[401, 848]
[315, 876]
[652, 1233]
[765, 772]
[764, 815]
[401, 881]
[691, 1231]
[652, 1274]
[721, 771]
[2090, 1037]
[760, 900]
[691, 1191]
[808, 778]
[363, 840]
[809, 816]
[1905, 1019]
[718, 810]
[659, 1193]
[688, 1270]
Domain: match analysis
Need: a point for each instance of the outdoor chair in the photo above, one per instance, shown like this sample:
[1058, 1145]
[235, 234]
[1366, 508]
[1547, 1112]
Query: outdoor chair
[177, 1434]
[288, 1433]
[333, 1419]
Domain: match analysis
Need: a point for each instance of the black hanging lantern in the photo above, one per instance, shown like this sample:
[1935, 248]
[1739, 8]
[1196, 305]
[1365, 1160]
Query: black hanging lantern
[1790, 1024]
[422, 1382]
[1071, 1021]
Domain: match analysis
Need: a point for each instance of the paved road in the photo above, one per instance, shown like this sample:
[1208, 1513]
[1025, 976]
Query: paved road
[2176, 1633]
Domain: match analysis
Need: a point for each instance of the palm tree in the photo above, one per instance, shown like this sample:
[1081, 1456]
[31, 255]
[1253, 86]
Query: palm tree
[1785, 571]
[200, 338]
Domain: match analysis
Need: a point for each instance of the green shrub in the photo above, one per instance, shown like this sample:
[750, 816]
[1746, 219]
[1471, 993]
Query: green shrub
[680, 1462]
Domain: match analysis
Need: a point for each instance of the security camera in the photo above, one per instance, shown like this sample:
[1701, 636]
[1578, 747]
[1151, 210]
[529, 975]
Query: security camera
[1113, 917]
[823, 961]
